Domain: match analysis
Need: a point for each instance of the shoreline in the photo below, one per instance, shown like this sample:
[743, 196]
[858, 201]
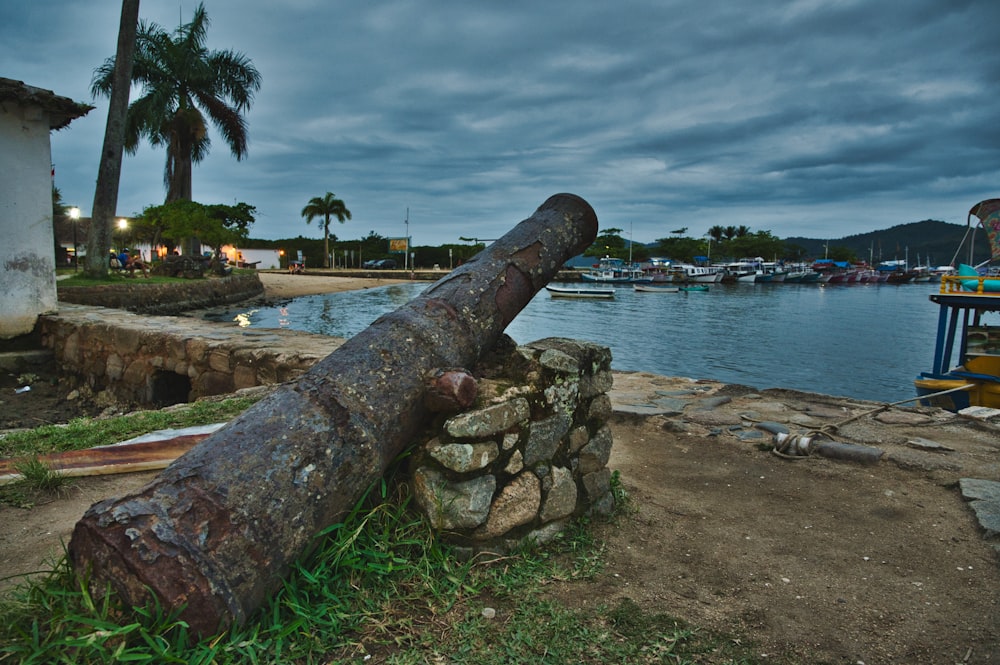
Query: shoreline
[286, 285]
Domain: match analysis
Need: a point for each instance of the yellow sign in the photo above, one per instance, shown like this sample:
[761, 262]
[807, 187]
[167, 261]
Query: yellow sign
[399, 245]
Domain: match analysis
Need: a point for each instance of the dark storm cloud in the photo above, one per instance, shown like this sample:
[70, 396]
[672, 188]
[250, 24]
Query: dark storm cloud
[784, 116]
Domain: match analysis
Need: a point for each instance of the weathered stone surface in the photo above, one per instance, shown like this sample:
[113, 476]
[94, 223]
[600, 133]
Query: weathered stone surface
[515, 464]
[544, 437]
[926, 444]
[560, 500]
[559, 361]
[516, 504]
[115, 367]
[545, 533]
[597, 484]
[896, 417]
[710, 417]
[489, 420]
[578, 438]
[984, 496]
[596, 453]
[599, 409]
[510, 440]
[714, 402]
[465, 457]
[592, 386]
[563, 395]
[453, 505]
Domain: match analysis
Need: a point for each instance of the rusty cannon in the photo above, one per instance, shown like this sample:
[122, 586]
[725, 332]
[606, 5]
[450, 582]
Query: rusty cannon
[214, 534]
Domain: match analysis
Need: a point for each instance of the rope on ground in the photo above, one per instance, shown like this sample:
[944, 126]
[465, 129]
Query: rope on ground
[800, 446]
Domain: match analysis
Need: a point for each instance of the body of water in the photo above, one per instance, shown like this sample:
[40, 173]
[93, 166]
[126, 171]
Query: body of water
[862, 341]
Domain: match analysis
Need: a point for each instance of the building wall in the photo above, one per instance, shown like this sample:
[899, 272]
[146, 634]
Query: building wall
[27, 263]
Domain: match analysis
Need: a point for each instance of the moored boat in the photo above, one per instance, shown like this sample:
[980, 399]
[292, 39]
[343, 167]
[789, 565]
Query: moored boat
[964, 302]
[579, 292]
[695, 287]
[655, 288]
[690, 273]
[611, 270]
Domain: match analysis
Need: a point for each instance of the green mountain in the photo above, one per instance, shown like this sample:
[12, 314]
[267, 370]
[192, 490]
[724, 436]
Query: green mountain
[927, 242]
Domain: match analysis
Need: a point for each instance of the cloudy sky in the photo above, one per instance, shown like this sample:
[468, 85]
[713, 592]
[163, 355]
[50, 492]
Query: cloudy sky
[816, 118]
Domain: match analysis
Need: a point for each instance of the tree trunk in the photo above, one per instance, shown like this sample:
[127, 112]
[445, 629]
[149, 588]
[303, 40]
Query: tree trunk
[218, 529]
[109, 172]
[326, 243]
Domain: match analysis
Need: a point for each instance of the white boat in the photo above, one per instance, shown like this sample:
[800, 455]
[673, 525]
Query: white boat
[579, 292]
[610, 270]
[653, 288]
[686, 272]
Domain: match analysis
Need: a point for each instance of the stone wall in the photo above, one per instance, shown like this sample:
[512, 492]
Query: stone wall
[137, 295]
[529, 456]
[160, 360]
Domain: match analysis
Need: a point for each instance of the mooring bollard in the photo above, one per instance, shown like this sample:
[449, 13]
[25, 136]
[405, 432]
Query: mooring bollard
[216, 532]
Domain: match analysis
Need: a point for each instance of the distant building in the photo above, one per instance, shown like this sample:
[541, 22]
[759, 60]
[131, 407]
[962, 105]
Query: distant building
[27, 261]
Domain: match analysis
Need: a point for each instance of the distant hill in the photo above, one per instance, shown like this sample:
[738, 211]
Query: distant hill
[929, 241]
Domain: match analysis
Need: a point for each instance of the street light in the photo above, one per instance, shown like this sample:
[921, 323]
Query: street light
[74, 214]
[122, 226]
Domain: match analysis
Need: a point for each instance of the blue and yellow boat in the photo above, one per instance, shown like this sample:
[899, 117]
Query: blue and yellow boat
[968, 303]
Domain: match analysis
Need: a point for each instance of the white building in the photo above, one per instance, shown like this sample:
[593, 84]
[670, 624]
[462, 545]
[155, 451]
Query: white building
[27, 257]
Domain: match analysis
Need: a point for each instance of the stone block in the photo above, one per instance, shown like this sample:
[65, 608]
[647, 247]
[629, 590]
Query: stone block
[516, 504]
[244, 377]
[544, 437]
[515, 464]
[578, 437]
[127, 340]
[218, 359]
[114, 367]
[599, 410]
[560, 500]
[213, 383]
[489, 420]
[559, 361]
[597, 484]
[465, 457]
[592, 386]
[597, 452]
[453, 505]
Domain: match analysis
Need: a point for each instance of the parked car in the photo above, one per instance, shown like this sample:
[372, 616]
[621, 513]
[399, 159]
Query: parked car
[379, 264]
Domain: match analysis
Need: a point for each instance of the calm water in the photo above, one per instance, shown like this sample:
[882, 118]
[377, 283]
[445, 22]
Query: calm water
[863, 341]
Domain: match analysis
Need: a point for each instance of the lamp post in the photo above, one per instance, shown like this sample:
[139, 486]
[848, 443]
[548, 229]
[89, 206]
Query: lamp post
[407, 222]
[74, 214]
[122, 226]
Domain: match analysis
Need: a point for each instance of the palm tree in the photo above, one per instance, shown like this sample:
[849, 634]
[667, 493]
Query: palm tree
[182, 82]
[326, 207]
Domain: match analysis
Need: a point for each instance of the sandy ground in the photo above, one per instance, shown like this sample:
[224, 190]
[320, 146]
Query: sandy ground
[279, 285]
[811, 561]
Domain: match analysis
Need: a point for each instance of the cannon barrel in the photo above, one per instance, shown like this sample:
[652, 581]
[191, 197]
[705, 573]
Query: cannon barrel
[217, 530]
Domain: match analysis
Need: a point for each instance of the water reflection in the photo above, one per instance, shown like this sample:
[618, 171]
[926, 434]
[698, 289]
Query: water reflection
[862, 341]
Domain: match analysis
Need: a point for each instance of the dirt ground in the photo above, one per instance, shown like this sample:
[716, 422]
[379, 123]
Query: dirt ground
[812, 561]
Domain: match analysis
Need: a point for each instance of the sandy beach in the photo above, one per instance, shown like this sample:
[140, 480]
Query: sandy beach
[286, 285]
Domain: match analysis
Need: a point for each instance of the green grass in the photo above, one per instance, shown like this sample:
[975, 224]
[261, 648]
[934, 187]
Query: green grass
[379, 584]
[38, 481]
[84, 433]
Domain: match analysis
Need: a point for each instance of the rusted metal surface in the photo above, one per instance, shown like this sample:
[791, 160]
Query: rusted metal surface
[450, 390]
[218, 529]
